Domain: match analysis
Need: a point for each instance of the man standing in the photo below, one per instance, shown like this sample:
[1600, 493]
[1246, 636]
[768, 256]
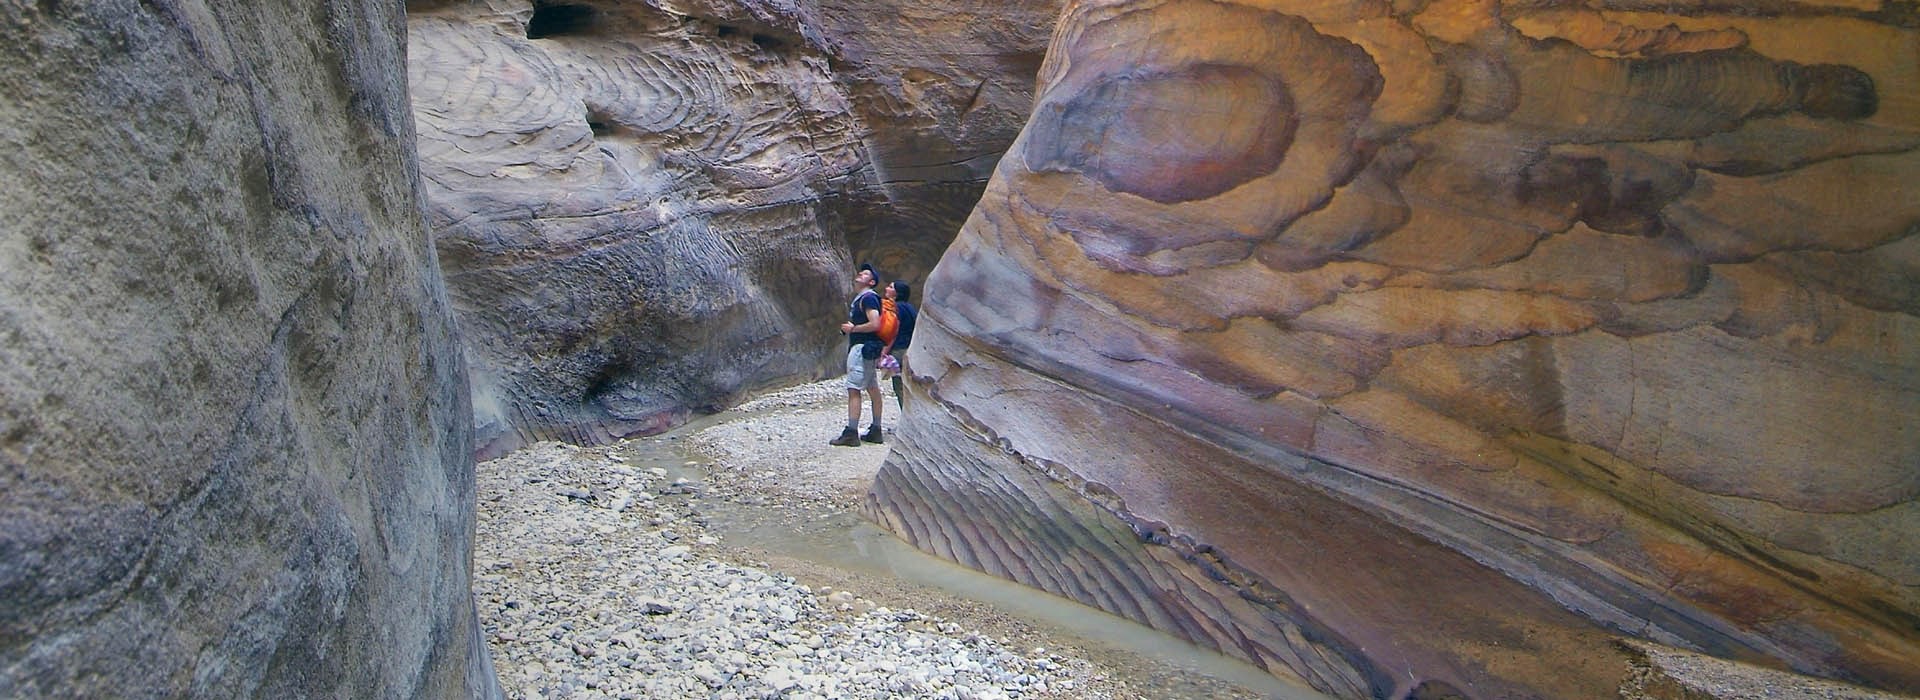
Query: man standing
[902, 294]
[863, 349]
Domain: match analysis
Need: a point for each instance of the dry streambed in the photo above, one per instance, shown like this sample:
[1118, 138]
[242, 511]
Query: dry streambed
[596, 576]
[595, 579]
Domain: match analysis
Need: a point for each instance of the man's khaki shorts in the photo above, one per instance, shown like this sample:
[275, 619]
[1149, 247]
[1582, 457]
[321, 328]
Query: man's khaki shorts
[861, 376]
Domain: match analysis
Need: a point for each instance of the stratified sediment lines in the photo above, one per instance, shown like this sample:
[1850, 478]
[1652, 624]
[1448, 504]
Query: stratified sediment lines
[622, 194]
[632, 85]
[498, 87]
[1456, 251]
[1069, 545]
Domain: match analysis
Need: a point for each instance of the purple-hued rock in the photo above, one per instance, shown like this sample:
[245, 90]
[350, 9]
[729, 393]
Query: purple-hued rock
[1432, 347]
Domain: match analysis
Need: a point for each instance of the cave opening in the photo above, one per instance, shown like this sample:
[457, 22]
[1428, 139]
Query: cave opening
[559, 20]
[605, 125]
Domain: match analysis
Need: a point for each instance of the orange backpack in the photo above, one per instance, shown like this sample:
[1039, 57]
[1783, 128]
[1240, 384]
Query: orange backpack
[889, 321]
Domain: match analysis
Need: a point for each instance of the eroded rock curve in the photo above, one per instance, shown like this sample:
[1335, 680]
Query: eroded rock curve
[648, 210]
[1433, 346]
[235, 448]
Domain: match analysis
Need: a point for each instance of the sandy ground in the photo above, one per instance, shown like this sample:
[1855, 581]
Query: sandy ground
[774, 450]
[776, 447]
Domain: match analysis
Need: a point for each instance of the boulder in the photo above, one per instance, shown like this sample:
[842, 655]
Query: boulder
[1421, 348]
[235, 448]
[646, 211]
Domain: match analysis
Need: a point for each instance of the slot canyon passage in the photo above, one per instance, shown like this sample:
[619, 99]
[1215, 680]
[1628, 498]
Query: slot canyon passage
[1399, 348]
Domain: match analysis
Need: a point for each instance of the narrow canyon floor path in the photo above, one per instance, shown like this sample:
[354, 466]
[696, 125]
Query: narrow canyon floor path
[726, 559]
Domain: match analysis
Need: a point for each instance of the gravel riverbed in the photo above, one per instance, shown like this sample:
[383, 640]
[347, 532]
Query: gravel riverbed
[599, 578]
[595, 580]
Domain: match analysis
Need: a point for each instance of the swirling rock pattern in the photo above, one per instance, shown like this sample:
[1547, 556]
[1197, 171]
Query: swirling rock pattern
[941, 90]
[1412, 348]
[645, 210]
[235, 453]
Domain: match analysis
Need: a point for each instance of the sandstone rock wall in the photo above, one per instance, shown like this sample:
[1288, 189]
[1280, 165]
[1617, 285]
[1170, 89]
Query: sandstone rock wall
[647, 209]
[234, 434]
[940, 90]
[1426, 347]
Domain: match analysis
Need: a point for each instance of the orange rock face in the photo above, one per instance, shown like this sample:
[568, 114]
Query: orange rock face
[1436, 345]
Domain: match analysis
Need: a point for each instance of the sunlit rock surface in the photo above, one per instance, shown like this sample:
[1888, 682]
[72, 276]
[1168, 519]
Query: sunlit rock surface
[646, 209]
[234, 437]
[1427, 347]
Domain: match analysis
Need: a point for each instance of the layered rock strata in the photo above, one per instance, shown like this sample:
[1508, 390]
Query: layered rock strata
[647, 209]
[234, 437]
[940, 90]
[1425, 348]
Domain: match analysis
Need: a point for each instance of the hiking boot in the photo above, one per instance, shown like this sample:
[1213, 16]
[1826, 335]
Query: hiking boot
[848, 438]
[873, 435]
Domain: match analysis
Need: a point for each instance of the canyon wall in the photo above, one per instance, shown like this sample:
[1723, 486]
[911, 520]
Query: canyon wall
[647, 209]
[234, 431]
[1420, 348]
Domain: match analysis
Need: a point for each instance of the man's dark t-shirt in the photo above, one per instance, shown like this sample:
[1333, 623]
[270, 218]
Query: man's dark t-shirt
[857, 314]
